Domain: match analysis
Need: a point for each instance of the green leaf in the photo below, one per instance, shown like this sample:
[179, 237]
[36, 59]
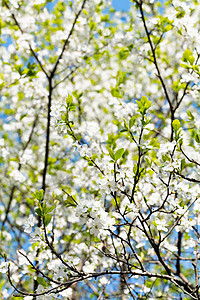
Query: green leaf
[123, 130]
[85, 12]
[115, 92]
[196, 68]
[180, 142]
[49, 209]
[47, 219]
[188, 57]
[41, 281]
[65, 117]
[69, 100]
[112, 155]
[180, 14]
[2, 85]
[69, 132]
[154, 223]
[125, 124]
[96, 239]
[197, 138]
[168, 27]
[123, 53]
[39, 195]
[132, 121]
[70, 201]
[190, 115]
[77, 95]
[183, 164]
[154, 143]
[72, 107]
[143, 105]
[135, 168]
[118, 154]
[39, 212]
[121, 77]
[176, 86]
[186, 66]
[176, 125]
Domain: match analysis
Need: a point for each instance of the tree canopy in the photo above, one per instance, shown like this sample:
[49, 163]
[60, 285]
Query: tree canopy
[99, 150]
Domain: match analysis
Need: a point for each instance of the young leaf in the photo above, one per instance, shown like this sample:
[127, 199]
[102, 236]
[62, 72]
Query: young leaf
[197, 138]
[47, 219]
[190, 115]
[49, 209]
[125, 124]
[41, 281]
[39, 195]
[188, 56]
[69, 100]
[124, 130]
[112, 155]
[39, 212]
[176, 125]
[72, 107]
[183, 164]
[132, 121]
[143, 105]
[70, 202]
[119, 153]
[115, 92]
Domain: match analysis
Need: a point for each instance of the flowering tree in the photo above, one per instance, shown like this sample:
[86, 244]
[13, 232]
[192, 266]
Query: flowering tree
[99, 150]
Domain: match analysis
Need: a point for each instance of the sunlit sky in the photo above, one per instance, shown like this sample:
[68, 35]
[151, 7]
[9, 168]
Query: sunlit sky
[121, 4]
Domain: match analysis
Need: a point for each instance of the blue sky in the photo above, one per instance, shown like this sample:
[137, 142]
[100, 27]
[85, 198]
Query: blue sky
[118, 4]
[121, 4]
